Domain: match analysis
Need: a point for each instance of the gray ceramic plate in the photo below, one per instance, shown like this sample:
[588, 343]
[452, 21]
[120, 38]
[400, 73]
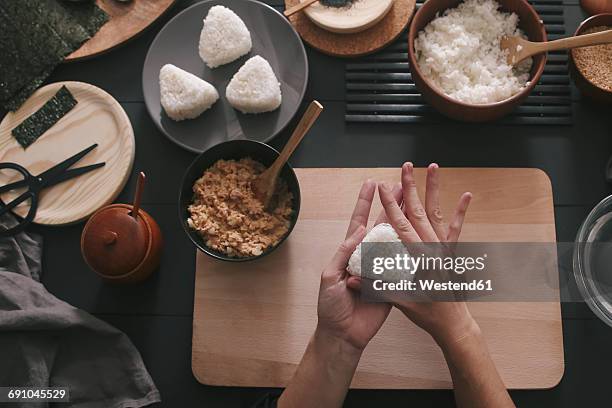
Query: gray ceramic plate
[273, 38]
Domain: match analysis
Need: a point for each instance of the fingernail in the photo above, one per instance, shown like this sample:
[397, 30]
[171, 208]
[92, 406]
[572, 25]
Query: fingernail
[410, 165]
[433, 166]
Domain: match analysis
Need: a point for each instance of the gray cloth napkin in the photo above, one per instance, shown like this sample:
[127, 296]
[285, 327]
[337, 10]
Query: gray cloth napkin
[45, 342]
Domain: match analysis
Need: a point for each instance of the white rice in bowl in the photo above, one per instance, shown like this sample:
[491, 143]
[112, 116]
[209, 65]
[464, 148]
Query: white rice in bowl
[458, 52]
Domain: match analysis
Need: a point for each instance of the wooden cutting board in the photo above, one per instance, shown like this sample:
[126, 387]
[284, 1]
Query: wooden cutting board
[252, 321]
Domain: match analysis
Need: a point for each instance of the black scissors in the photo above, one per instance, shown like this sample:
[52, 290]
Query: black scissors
[35, 184]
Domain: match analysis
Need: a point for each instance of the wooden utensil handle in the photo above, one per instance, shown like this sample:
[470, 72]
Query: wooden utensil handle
[298, 7]
[602, 37]
[309, 118]
[138, 195]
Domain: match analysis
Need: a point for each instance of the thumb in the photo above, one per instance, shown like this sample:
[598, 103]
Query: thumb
[354, 282]
[346, 249]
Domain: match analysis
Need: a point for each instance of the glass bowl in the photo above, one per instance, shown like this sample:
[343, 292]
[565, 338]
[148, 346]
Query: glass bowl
[593, 260]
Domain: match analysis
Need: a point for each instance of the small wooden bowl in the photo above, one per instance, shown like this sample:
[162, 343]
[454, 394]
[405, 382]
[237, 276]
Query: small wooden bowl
[529, 22]
[593, 7]
[344, 20]
[585, 86]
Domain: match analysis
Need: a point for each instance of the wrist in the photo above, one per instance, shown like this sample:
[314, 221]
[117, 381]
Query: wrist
[335, 347]
[461, 331]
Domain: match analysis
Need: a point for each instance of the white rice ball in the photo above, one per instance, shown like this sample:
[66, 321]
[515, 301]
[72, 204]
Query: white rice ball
[254, 88]
[224, 37]
[380, 233]
[184, 95]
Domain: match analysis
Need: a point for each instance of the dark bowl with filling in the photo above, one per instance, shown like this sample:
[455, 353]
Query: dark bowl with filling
[234, 150]
[529, 22]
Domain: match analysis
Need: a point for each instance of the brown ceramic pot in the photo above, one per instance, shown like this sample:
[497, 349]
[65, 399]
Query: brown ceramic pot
[120, 248]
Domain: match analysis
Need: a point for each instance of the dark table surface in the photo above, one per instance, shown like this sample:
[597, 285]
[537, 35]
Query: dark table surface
[157, 315]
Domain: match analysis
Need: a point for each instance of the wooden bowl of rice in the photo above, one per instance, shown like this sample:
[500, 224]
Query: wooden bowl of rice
[529, 22]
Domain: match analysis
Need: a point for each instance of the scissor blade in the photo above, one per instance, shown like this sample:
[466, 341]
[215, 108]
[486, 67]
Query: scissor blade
[71, 173]
[60, 167]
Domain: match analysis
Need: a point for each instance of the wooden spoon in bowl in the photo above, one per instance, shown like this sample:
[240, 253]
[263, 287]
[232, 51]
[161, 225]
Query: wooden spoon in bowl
[519, 48]
[298, 7]
[264, 185]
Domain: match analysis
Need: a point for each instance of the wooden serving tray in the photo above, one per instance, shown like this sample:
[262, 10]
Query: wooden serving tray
[127, 19]
[96, 118]
[252, 321]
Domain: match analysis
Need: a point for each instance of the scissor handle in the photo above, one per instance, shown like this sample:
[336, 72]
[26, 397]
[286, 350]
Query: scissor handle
[17, 184]
[29, 193]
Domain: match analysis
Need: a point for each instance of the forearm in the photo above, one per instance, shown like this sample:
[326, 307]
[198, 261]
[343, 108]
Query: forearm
[475, 378]
[324, 374]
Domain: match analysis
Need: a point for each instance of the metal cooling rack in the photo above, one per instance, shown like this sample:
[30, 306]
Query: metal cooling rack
[379, 87]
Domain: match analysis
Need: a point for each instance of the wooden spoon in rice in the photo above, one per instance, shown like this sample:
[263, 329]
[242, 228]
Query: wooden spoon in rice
[264, 185]
[518, 48]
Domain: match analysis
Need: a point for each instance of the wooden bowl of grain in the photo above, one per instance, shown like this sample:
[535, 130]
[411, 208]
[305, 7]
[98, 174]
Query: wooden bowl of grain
[591, 67]
[529, 22]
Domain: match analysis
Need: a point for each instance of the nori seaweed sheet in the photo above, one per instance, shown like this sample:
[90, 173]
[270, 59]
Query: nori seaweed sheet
[33, 127]
[36, 36]
[61, 22]
[87, 15]
[27, 47]
[24, 93]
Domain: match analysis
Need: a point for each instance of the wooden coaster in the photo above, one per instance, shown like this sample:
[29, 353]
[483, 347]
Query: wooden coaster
[96, 118]
[357, 44]
[126, 21]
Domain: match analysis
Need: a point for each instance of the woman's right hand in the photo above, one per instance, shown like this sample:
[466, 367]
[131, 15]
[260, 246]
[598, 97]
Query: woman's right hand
[444, 321]
[476, 380]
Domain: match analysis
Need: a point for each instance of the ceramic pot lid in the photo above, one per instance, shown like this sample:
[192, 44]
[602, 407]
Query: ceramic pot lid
[113, 242]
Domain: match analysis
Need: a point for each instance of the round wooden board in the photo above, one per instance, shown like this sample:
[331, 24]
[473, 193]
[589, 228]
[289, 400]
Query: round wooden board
[357, 44]
[126, 20]
[97, 118]
[362, 15]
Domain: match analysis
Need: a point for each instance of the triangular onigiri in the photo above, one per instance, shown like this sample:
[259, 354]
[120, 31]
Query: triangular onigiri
[254, 88]
[224, 37]
[184, 95]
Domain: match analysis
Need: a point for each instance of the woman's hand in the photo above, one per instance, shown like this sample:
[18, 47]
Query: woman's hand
[345, 326]
[414, 223]
[342, 314]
